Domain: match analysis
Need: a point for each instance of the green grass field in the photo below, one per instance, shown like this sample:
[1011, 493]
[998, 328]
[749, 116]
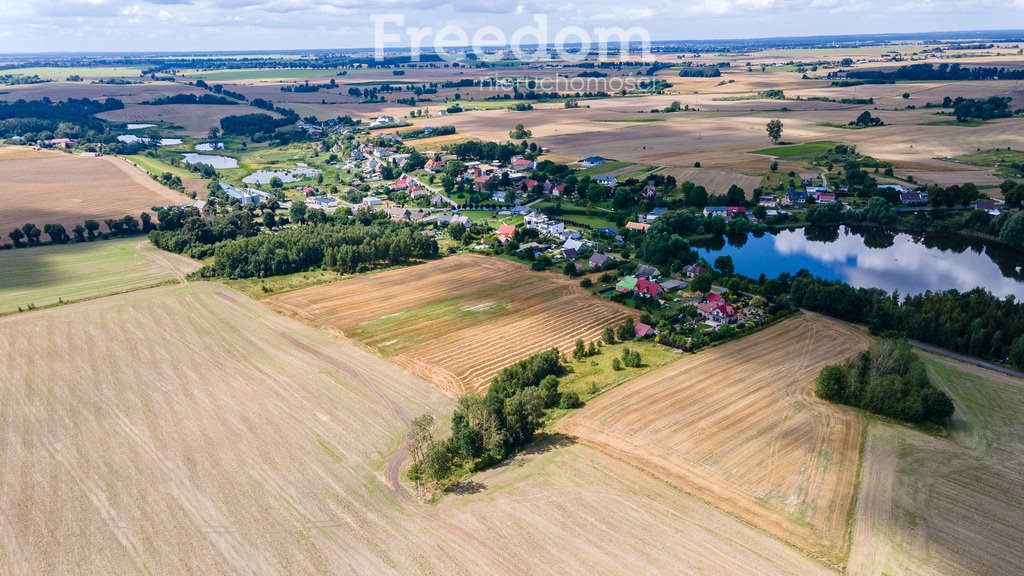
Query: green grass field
[54, 73]
[1000, 158]
[578, 214]
[604, 168]
[48, 275]
[798, 150]
[594, 375]
[155, 166]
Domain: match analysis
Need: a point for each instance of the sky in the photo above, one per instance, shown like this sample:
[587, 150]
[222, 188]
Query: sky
[206, 25]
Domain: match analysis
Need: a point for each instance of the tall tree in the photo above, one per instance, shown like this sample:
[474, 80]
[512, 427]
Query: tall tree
[774, 128]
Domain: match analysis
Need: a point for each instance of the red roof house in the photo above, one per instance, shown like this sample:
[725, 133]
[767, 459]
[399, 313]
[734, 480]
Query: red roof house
[644, 330]
[648, 288]
[505, 233]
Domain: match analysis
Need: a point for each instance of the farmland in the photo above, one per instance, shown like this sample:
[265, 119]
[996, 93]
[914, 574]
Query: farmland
[47, 275]
[456, 321]
[738, 426]
[934, 505]
[292, 463]
[53, 188]
[194, 119]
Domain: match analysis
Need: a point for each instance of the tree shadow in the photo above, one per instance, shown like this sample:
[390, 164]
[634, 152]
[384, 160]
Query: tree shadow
[467, 488]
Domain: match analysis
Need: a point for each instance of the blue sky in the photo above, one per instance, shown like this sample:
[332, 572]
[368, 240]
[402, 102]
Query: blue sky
[192, 25]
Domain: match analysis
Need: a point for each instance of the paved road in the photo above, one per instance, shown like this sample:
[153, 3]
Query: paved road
[941, 351]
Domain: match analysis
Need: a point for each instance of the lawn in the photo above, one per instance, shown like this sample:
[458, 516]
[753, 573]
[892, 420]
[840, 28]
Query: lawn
[157, 167]
[998, 158]
[49, 275]
[798, 150]
[604, 168]
[592, 376]
[578, 215]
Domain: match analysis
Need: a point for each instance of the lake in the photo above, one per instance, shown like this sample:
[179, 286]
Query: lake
[209, 146]
[874, 258]
[139, 126]
[218, 162]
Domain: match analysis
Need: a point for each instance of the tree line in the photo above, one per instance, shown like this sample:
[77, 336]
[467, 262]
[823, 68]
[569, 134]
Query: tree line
[488, 429]
[31, 235]
[890, 380]
[949, 72]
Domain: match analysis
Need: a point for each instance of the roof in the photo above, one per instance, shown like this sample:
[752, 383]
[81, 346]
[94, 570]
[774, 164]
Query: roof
[569, 253]
[506, 230]
[985, 205]
[599, 259]
[644, 330]
[672, 284]
[648, 288]
[645, 270]
[626, 283]
[637, 226]
[593, 160]
[572, 245]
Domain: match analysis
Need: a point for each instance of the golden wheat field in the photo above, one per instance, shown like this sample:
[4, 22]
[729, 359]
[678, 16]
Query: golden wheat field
[459, 320]
[738, 426]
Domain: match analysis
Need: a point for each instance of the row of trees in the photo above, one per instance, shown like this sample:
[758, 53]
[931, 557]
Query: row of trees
[31, 235]
[488, 429]
[889, 379]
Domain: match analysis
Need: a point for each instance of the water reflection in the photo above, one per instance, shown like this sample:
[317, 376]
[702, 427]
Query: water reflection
[877, 258]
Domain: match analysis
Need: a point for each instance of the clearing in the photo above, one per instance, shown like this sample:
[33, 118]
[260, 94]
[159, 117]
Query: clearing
[187, 429]
[738, 426]
[459, 320]
[43, 187]
[932, 505]
[46, 275]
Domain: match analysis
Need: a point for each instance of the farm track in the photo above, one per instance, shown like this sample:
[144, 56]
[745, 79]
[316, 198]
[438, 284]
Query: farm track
[738, 426]
[456, 321]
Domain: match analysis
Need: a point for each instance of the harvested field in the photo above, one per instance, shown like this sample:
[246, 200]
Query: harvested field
[188, 429]
[195, 119]
[44, 187]
[47, 275]
[739, 427]
[127, 93]
[456, 321]
[932, 505]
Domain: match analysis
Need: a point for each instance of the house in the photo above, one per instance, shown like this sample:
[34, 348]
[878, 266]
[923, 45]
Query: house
[534, 247]
[626, 284]
[606, 180]
[519, 163]
[672, 285]
[598, 261]
[434, 166]
[988, 206]
[526, 184]
[795, 197]
[645, 271]
[606, 231]
[592, 161]
[398, 214]
[243, 197]
[768, 201]
[505, 233]
[825, 197]
[642, 330]
[710, 211]
[569, 253]
[913, 197]
[62, 143]
[647, 288]
[639, 227]
[572, 245]
[371, 201]
[322, 202]
[653, 214]
[694, 270]
[464, 220]
[815, 190]
[716, 309]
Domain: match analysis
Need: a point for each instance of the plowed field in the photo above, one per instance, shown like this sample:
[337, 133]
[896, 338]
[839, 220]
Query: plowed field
[456, 321]
[738, 426]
